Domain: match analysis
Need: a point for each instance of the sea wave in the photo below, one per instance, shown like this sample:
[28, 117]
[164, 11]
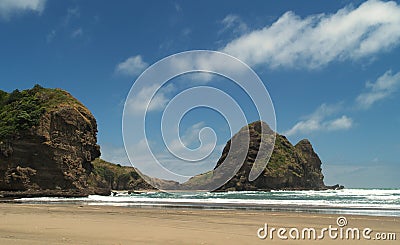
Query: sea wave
[379, 202]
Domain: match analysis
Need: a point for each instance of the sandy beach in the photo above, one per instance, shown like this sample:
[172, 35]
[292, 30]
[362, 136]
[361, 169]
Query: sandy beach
[75, 224]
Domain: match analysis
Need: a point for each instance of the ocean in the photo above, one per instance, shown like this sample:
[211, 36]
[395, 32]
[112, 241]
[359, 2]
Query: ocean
[375, 202]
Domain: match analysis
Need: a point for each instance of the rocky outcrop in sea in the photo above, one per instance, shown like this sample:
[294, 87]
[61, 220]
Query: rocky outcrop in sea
[289, 167]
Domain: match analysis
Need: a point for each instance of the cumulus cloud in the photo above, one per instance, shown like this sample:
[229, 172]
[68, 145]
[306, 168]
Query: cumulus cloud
[191, 137]
[341, 123]
[321, 120]
[234, 23]
[144, 101]
[315, 41]
[144, 161]
[382, 88]
[132, 66]
[12, 7]
[206, 62]
[191, 134]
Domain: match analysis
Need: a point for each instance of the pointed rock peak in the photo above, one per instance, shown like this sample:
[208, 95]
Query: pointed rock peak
[304, 144]
[260, 126]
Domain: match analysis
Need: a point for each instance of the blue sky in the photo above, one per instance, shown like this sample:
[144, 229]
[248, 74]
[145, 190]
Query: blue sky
[331, 68]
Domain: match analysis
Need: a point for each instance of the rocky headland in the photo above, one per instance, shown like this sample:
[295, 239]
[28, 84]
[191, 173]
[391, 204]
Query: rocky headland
[289, 167]
[48, 147]
[48, 140]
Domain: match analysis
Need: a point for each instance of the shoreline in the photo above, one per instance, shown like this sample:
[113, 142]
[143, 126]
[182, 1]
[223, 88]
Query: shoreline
[350, 202]
[87, 224]
[107, 192]
[279, 208]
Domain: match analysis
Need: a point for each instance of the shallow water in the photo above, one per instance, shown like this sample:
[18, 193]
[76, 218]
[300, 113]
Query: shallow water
[376, 202]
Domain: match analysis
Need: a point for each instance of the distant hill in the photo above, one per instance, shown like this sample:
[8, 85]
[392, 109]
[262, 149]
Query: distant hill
[116, 177]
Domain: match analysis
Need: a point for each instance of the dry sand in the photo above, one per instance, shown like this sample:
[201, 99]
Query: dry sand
[74, 224]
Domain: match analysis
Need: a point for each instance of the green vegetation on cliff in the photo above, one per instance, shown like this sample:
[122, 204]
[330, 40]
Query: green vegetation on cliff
[116, 177]
[48, 140]
[283, 159]
[21, 110]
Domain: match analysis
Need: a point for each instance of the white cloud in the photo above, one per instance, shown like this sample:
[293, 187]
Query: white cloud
[382, 88]
[144, 101]
[319, 121]
[11, 7]
[234, 23]
[192, 133]
[341, 123]
[64, 25]
[145, 161]
[204, 62]
[191, 137]
[132, 66]
[315, 41]
[77, 33]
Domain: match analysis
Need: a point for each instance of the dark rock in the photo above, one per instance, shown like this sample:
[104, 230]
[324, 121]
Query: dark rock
[48, 147]
[289, 168]
[335, 187]
[53, 153]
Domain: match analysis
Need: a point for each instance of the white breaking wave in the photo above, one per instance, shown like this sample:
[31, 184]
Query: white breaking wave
[352, 201]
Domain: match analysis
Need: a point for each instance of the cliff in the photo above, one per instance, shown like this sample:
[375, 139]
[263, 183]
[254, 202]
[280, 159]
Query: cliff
[290, 167]
[47, 143]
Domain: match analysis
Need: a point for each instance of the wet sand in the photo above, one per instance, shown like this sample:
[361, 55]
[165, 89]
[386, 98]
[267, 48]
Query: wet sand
[75, 224]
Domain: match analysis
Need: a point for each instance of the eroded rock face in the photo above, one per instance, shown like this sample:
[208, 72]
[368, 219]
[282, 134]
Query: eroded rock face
[290, 167]
[54, 154]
